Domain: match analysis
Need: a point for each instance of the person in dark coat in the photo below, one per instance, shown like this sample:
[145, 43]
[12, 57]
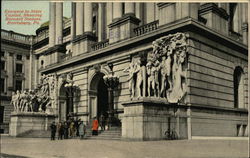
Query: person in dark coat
[53, 130]
[66, 130]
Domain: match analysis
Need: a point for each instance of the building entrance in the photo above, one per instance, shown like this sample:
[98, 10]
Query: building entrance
[98, 97]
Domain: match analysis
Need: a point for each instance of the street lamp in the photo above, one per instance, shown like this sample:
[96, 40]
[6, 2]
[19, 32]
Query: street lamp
[112, 82]
[70, 89]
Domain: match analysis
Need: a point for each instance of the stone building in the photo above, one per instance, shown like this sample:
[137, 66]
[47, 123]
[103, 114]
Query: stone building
[15, 71]
[202, 92]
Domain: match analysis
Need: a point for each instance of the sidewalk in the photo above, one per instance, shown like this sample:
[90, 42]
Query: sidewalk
[75, 148]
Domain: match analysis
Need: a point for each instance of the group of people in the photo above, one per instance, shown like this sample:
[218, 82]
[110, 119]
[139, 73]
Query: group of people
[75, 128]
[68, 129]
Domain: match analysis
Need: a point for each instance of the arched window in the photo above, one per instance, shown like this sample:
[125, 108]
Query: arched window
[238, 88]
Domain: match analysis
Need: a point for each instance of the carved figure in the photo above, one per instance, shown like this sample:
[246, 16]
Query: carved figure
[139, 79]
[14, 101]
[131, 70]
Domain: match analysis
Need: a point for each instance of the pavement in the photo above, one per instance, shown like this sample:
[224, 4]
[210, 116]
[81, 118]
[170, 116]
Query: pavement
[75, 148]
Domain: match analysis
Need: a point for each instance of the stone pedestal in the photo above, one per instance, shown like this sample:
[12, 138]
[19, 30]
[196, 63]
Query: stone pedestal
[82, 43]
[21, 123]
[150, 118]
[123, 28]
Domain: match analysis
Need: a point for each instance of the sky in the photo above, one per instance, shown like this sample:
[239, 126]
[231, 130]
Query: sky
[43, 6]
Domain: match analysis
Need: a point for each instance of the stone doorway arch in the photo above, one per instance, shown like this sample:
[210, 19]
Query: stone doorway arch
[98, 96]
[63, 109]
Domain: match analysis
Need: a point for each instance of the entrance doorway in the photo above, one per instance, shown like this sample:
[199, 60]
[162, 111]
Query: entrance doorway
[98, 97]
[63, 104]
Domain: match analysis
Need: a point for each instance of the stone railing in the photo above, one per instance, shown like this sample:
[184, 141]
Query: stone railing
[12, 36]
[100, 45]
[42, 36]
[146, 28]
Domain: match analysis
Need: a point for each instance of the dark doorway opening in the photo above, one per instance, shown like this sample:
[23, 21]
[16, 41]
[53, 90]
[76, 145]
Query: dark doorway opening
[102, 99]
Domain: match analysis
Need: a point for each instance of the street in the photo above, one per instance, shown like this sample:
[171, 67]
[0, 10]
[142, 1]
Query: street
[74, 148]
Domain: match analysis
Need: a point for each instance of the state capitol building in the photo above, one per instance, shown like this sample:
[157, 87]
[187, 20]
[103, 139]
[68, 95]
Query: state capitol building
[149, 66]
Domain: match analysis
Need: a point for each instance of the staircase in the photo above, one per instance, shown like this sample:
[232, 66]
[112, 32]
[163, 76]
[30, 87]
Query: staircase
[112, 134]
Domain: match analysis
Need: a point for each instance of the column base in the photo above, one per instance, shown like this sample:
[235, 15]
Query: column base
[123, 28]
[82, 43]
[56, 52]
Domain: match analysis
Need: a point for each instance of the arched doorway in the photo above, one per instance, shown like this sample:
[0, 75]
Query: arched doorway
[98, 96]
[63, 104]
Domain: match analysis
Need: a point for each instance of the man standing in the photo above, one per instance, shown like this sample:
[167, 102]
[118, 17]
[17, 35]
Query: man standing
[53, 130]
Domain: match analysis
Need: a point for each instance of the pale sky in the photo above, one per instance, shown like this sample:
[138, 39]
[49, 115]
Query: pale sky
[29, 5]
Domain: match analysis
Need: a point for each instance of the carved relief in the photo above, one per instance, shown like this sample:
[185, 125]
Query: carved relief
[165, 72]
[37, 100]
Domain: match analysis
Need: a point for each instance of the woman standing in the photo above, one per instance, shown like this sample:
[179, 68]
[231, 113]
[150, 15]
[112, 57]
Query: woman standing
[95, 126]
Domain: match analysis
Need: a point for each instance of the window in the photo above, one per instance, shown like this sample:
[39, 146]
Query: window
[19, 85]
[2, 65]
[2, 53]
[19, 67]
[238, 88]
[19, 57]
[2, 82]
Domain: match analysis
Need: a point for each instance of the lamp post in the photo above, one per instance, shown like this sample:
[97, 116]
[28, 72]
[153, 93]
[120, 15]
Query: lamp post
[112, 82]
[70, 88]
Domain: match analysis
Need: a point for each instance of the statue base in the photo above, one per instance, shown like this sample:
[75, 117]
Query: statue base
[23, 122]
[149, 119]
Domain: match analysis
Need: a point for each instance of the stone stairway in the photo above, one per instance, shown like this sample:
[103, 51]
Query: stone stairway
[112, 134]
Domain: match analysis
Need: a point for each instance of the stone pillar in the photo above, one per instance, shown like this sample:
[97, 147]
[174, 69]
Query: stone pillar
[129, 8]
[10, 66]
[109, 16]
[101, 22]
[150, 10]
[88, 14]
[73, 20]
[52, 24]
[245, 23]
[80, 18]
[139, 12]
[31, 65]
[117, 12]
[189, 125]
[73, 26]
[59, 23]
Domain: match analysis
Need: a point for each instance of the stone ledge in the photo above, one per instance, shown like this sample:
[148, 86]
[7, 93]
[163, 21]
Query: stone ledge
[125, 18]
[32, 114]
[85, 36]
[56, 48]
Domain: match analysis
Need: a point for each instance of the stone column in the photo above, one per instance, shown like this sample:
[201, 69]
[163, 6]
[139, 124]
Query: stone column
[88, 13]
[80, 18]
[10, 65]
[117, 12]
[139, 12]
[59, 23]
[52, 24]
[109, 15]
[73, 20]
[245, 23]
[189, 125]
[150, 10]
[101, 22]
[129, 8]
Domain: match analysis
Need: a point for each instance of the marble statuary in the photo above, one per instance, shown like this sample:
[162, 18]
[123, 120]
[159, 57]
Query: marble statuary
[165, 69]
[37, 100]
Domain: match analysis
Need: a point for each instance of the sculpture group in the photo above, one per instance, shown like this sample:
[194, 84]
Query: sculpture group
[37, 100]
[165, 70]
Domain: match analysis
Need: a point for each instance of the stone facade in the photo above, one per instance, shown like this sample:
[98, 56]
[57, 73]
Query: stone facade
[208, 60]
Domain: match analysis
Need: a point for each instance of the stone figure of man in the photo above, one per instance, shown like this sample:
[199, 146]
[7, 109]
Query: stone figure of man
[131, 70]
[14, 101]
